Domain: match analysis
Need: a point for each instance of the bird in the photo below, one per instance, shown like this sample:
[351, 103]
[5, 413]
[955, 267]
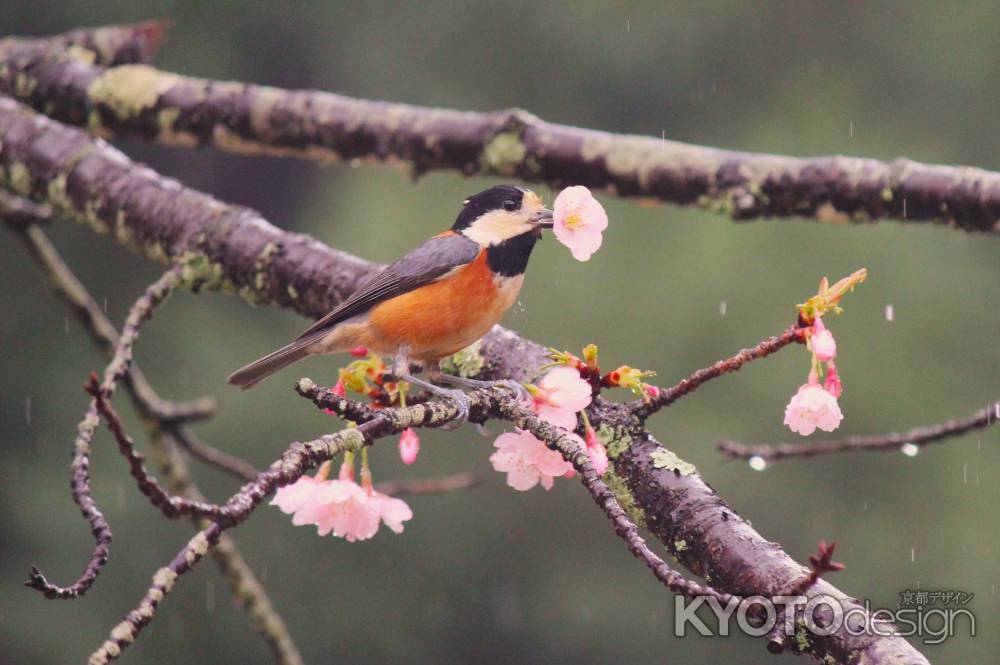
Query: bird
[438, 299]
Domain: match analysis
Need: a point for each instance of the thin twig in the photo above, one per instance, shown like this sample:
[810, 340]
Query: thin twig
[82, 495]
[439, 485]
[918, 436]
[665, 396]
[231, 464]
[67, 286]
[625, 528]
[165, 420]
[243, 583]
[170, 505]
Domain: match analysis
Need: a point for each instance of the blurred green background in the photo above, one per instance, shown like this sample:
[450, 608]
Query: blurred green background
[490, 575]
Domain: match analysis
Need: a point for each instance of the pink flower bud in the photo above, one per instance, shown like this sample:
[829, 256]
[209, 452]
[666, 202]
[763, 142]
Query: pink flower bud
[409, 446]
[832, 383]
[822, 343]
[598, 455]
[359, 351]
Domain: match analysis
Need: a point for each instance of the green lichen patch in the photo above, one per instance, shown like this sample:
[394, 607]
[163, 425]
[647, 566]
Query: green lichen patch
[615, 441]
[128, 90]
[466, 363]
[504, 153]
[619, 487]
[666, 459]
[19, 179]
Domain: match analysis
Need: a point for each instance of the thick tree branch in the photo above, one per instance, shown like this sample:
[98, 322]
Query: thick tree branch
[918, 436]
[221, 246]
[174, 109]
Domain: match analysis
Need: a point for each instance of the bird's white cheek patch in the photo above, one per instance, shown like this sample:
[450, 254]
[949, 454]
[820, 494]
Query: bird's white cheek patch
[496, 226]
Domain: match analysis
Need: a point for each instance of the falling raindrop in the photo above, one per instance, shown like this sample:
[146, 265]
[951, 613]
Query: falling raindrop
[866, 506]
[965, 474]
[851, 129]
[628, 25]
[723, 306]
[913, 554]
[758, 463]
[66, 322]
[27, 410]
[910, 449]
[105, 304]
[890, 313]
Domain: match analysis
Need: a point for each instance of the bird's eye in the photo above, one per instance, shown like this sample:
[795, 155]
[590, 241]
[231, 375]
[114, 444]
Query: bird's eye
[510, 205]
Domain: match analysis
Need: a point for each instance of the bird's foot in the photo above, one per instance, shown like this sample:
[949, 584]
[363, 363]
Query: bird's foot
[520, 392]
[460, 398]
[463, 402]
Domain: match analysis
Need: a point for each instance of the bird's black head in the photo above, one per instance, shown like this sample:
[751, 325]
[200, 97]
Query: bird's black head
[501, 213]
[506, 221]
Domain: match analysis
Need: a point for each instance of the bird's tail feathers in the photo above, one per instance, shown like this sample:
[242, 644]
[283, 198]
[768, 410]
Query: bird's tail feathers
[249, 376]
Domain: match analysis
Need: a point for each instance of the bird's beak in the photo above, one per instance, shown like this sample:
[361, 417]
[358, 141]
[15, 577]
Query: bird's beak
[542, 219]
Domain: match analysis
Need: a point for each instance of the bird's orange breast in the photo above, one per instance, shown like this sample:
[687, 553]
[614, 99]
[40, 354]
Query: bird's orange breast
[445, 316]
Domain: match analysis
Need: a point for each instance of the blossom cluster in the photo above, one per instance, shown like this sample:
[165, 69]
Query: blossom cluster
[342, 507]
[560, 398]
[815, 406]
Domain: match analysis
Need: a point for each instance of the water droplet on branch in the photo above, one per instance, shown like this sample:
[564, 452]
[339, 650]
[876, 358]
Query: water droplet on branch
[910, 449]
[757, 463]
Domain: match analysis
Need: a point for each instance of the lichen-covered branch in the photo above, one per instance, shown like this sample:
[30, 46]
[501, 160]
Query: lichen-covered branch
[174, 109]
[666, 396]
[918, 436]
[220, 246]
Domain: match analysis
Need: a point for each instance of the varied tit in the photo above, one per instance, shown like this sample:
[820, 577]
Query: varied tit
[438, 299]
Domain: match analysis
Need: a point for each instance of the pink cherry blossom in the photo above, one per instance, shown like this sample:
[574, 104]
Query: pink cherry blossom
[596, 451]
[526, 461]
[579, 221]
[560, 395]
[409, 446]
[392, 510]
[812, 407]
[340, 506]
[822, 342]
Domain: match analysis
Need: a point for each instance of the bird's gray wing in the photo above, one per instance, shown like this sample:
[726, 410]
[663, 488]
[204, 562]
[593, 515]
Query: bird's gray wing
[425, 264]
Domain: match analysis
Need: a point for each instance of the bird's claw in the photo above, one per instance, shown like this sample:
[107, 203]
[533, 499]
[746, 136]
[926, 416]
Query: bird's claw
[463, 404]
[520, 392]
